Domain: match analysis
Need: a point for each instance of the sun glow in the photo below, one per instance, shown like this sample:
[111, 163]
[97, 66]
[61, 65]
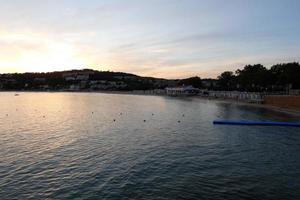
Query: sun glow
[56, 57]
[34, 53]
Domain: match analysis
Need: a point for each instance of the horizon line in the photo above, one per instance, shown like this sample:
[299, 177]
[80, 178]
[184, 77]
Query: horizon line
[136, 74]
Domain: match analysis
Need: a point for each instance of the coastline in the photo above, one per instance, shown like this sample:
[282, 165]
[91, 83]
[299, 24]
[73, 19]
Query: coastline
[293, 112]
[270, 107]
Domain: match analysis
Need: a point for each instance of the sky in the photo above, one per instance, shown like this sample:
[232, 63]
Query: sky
[160, 38]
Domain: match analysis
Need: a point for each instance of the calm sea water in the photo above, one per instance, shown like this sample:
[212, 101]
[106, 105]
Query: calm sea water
[68, 146]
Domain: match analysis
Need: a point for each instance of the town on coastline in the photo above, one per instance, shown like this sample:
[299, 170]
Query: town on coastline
[279, 85]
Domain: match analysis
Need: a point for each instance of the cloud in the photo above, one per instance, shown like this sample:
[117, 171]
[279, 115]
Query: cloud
[163, 38]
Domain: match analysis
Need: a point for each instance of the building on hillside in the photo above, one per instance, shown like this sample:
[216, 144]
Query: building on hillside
[74, 87]
[107, 85]
[41, 80]
[77, 75]
[209, 83]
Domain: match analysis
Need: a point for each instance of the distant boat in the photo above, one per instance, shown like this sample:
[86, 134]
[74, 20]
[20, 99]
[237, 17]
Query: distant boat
[16, 94]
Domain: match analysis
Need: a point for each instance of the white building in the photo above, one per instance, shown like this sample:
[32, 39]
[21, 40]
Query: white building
[242, 96]
[182, 91]
[81, 75]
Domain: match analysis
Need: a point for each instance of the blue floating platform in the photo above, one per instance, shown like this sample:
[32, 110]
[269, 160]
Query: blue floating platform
[256, 123]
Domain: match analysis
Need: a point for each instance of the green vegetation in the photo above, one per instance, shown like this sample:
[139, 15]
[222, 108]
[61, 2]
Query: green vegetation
[259, 78]
[80, 80]
[194, 81]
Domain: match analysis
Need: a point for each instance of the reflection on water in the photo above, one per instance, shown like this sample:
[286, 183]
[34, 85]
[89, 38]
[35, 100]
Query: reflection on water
[102, 146]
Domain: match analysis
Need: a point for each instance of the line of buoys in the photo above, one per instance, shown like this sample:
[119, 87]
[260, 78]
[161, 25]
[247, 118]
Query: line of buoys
[179, 121]
[256, 123]
[114, 120]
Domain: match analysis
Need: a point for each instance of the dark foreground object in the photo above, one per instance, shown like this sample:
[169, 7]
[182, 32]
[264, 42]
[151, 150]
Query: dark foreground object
[256, 123]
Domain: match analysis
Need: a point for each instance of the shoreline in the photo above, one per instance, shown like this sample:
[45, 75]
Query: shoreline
[270, 107]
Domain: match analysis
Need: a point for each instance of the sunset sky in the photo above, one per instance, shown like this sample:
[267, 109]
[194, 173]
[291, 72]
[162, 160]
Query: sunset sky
[161, 38]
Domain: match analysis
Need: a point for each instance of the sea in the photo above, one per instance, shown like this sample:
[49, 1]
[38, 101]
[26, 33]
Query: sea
[119, 146]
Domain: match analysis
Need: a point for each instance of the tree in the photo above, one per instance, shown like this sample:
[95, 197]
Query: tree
[194, 81]
[253, 77]
[227, 81]
[287, 74]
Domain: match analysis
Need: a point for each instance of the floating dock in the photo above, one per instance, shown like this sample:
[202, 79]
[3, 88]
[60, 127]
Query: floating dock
[256, 123]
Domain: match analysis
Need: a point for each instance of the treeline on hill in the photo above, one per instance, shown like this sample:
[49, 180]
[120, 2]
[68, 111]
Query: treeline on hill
[258, 78]
[279, 77]
[252, 78]
[59, 80]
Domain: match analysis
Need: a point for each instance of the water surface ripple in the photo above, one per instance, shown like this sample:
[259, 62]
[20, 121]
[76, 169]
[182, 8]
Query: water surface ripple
[108, 146]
